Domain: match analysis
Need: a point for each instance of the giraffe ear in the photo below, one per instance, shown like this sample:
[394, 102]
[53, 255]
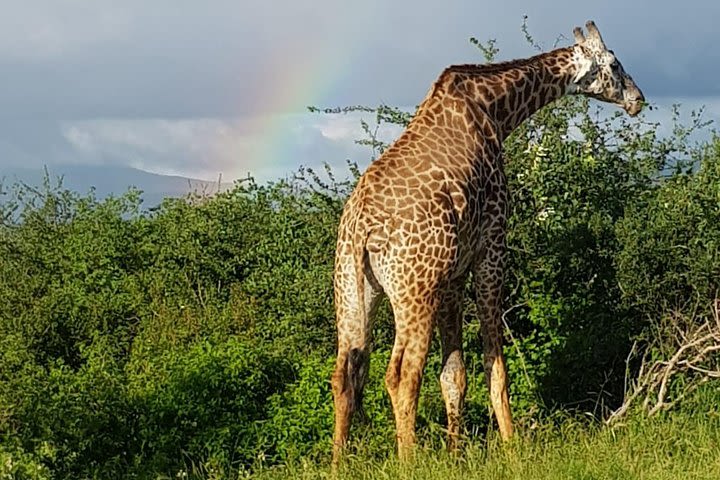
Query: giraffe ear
[579, 35]
[594, 34]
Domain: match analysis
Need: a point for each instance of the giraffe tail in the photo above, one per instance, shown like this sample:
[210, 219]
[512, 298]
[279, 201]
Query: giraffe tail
[358, 358]
[359, 259]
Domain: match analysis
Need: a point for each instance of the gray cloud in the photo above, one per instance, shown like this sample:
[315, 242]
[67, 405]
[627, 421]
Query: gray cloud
[166, 58]
[106, 67]
[206, 147]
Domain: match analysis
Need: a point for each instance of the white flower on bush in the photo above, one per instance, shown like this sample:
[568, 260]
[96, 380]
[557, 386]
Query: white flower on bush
[545, 213]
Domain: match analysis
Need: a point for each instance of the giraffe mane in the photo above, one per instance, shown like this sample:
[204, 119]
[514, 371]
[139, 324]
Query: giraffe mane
[498, 67]
[481, 69]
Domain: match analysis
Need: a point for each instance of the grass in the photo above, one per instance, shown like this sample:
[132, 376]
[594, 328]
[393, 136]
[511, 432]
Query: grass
[682, 446]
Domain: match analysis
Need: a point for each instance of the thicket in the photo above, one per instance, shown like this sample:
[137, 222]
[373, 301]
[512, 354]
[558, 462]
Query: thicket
[198, 335]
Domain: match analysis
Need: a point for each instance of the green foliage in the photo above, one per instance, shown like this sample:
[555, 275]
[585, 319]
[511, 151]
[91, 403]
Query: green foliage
[67, 417]
[134, 340]
[198, 337]
[67, 271]
[567, 193]
[300, 419]
[671, 242]
[16, 464]
[205, 401]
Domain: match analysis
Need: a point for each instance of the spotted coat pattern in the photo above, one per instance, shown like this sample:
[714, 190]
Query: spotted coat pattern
[432, 209]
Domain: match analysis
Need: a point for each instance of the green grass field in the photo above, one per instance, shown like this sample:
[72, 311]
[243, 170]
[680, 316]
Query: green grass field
[682, 446]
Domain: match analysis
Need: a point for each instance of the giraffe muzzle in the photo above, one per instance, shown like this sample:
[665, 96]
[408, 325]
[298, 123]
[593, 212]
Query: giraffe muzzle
[633, 108]
[634, 101]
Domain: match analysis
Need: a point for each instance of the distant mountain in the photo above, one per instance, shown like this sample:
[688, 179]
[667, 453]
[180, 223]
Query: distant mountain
[109, 180]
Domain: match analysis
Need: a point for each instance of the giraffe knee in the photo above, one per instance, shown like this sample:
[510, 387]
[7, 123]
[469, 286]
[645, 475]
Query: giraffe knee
[357, 364]
[453, 380]
[338, 380]
[495, 370]
[392, 376]
[357, 367]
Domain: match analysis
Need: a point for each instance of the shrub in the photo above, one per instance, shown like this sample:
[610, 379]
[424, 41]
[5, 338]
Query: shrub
[206, 401]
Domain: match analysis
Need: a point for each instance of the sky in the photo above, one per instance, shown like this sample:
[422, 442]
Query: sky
[202, 88]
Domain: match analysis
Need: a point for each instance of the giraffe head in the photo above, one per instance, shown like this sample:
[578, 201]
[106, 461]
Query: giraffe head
[599, 74]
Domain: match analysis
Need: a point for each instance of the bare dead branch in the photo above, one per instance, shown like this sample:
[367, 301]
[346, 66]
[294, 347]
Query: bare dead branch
[688, 351]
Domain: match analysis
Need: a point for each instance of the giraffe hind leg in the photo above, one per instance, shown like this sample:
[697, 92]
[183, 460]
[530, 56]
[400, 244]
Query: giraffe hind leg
[351, 367]
[404, 373]
[348, 381]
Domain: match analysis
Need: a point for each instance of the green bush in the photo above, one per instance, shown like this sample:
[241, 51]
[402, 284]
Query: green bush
[199, 336]
[670, 259]
[74, 421]
[68, 270]
[17, 464]
[206, 401]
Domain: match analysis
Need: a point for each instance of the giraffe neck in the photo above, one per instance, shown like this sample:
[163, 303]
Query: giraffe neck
[510, 92]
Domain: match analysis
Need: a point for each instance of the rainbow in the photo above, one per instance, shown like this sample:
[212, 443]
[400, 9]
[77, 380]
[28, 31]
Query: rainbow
[292, 79]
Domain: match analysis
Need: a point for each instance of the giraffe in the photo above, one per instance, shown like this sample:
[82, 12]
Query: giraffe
[431, 210]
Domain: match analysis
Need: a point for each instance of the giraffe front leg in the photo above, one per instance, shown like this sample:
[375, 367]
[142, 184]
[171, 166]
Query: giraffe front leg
[453, 379]
[488, 280]
[489, 294]
[496, 376]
